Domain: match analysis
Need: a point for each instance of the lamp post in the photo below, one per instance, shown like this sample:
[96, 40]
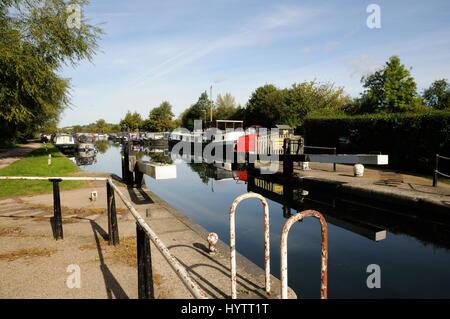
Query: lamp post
[212, 103]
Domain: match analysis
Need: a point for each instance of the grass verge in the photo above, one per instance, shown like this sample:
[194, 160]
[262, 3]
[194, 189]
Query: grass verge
[36, 164]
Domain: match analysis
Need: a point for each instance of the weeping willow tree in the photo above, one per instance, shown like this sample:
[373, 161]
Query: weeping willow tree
[37, 39]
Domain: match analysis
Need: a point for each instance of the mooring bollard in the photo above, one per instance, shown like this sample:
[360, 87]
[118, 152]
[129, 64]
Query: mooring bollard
[213, 238]
[113, 228]
[144, 264]
[57, 217]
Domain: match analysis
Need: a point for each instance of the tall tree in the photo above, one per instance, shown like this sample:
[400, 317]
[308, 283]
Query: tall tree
[160, 118]
[390, 89]
[225, 107]
[101, 126]
[198, 111]
[438, 95]
[312, 97]
[131, 121]
[265, 106]
[36, 40]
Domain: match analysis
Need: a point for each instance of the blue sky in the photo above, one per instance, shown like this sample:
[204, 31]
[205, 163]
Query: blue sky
[175, 49]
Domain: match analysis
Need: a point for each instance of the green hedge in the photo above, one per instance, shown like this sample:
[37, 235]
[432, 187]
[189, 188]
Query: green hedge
[410, 140]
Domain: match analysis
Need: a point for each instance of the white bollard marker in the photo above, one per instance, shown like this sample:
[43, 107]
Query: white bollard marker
[358, 169]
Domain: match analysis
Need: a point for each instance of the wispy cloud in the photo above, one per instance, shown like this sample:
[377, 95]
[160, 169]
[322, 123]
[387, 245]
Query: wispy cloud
[362, 65]
[257, 31]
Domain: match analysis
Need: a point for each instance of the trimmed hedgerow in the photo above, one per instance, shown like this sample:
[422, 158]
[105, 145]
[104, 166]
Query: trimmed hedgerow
[410, 140]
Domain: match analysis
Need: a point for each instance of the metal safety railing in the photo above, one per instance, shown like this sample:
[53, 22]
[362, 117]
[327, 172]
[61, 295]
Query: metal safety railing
[284, 252]
[144, 233]
[233, 241]
[283, 247]
[436, 169]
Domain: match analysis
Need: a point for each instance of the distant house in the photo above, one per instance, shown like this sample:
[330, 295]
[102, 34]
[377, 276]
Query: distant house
[285, 130]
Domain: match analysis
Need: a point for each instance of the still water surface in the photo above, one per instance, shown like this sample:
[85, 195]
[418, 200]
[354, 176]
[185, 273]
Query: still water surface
[414, 260]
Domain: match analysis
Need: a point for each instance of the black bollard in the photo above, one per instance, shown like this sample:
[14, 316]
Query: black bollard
[113, 227]
[57, 217]
[144, 264]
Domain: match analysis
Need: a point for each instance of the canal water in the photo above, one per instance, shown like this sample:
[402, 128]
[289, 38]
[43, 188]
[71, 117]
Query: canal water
[414, 258]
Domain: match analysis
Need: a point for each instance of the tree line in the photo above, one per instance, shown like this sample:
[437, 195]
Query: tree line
[390, 89]
[36, 41]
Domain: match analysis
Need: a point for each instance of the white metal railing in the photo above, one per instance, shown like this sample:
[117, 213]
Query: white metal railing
[284, 252]
[233, 240]
[269, 144]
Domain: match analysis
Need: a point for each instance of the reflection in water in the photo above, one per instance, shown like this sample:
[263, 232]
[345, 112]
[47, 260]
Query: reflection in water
[412, 249]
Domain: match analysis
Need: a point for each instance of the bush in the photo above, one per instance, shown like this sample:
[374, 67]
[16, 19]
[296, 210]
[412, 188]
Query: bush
[410, 140]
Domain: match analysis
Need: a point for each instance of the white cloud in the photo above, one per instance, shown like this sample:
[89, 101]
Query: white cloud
[362, 65]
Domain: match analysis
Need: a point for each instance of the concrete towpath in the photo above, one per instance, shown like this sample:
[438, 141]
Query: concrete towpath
[13, 155]
[34, 265]
[380, 182]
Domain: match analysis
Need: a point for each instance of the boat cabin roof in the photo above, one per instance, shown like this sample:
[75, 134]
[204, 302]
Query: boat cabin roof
[229, 124]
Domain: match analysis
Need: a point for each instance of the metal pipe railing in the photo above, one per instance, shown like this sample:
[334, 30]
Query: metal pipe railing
[196, 291]
[42, 178]
[284, 252]
[144, 233]
[436, 169]
[233, 241]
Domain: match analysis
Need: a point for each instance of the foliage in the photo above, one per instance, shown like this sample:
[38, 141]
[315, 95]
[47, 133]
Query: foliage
[411, 140]
[437, 95]
[160, 119]
[197, 111]
[391, 89]
[265, 105]
[269, 105]
[131, 121]
[35, 42]
[100, 126]
[225, 107]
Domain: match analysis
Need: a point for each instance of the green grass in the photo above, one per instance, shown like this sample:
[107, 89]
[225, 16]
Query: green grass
[36, 164]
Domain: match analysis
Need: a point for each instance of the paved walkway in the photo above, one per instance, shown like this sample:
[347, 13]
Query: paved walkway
[381, 181]
[13, 155]
[34, 265]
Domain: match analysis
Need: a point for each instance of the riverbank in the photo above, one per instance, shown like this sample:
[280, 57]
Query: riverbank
[37, 268]
[35, 163]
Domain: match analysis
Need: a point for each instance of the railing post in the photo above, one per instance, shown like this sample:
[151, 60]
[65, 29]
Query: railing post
[57, 217]
[233, 267]
[144, 264]
[334, 164]
[113, 228]
[436, 170]
[284, 252]
[127, 174]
